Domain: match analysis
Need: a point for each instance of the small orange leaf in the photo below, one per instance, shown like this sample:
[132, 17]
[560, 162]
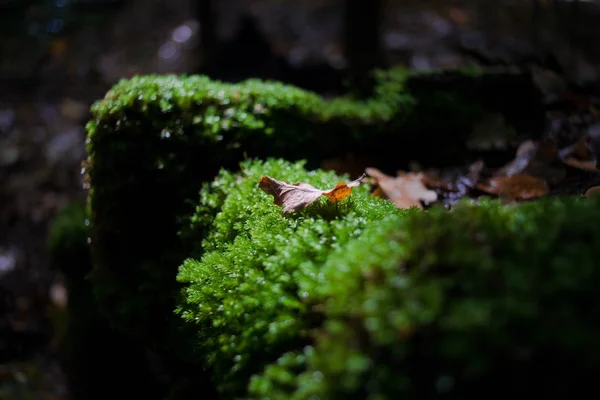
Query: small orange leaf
[297, 196]
[515, 187]
[342, 190]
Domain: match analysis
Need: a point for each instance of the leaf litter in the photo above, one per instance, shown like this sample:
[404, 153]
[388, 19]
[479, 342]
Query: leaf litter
[538, 169]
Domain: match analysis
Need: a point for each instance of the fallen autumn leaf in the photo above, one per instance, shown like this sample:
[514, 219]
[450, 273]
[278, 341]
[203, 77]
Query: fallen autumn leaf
[296, 196]
[405, 191]
[580, 155]
[594, 191]
[515, 187]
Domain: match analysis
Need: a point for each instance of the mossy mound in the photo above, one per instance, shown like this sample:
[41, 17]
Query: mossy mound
[484, 301]
[247, 294]
[364, 301]
[154, 140]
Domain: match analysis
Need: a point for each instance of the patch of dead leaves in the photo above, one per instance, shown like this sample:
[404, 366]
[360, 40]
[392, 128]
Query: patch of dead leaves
[537, 168]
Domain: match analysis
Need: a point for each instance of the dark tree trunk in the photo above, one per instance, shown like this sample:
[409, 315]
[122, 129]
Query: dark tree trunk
[362, 42]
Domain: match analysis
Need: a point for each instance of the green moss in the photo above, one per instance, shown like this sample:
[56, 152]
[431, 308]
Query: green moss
[68, 240]
[485, 300]
[246, 294]
[153, 141]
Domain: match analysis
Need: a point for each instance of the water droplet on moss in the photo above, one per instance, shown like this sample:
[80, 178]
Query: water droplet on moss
[165, 134]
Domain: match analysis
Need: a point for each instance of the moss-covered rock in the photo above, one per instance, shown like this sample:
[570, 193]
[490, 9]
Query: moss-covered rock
[153, 140]
[364, 301]
[246, 295]
[484, 301]
[356, 300]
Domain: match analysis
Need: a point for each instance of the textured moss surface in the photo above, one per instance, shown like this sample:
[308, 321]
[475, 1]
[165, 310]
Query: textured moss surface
[484, 301]
[153, 140]
[248, 294]
[364, 301]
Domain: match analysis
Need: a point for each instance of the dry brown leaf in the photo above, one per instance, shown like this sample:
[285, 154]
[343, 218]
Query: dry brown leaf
[296, 196]
[594, 191]
[516, 187]
[405, 191]
[580, 155]
[588, 165]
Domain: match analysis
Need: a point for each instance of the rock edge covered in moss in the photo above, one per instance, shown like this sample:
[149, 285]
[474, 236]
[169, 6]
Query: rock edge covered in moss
[481, 300]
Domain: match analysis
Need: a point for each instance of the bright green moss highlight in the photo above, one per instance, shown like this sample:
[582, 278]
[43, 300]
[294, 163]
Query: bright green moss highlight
[251, 294]
[250, 104]
[483, 299]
